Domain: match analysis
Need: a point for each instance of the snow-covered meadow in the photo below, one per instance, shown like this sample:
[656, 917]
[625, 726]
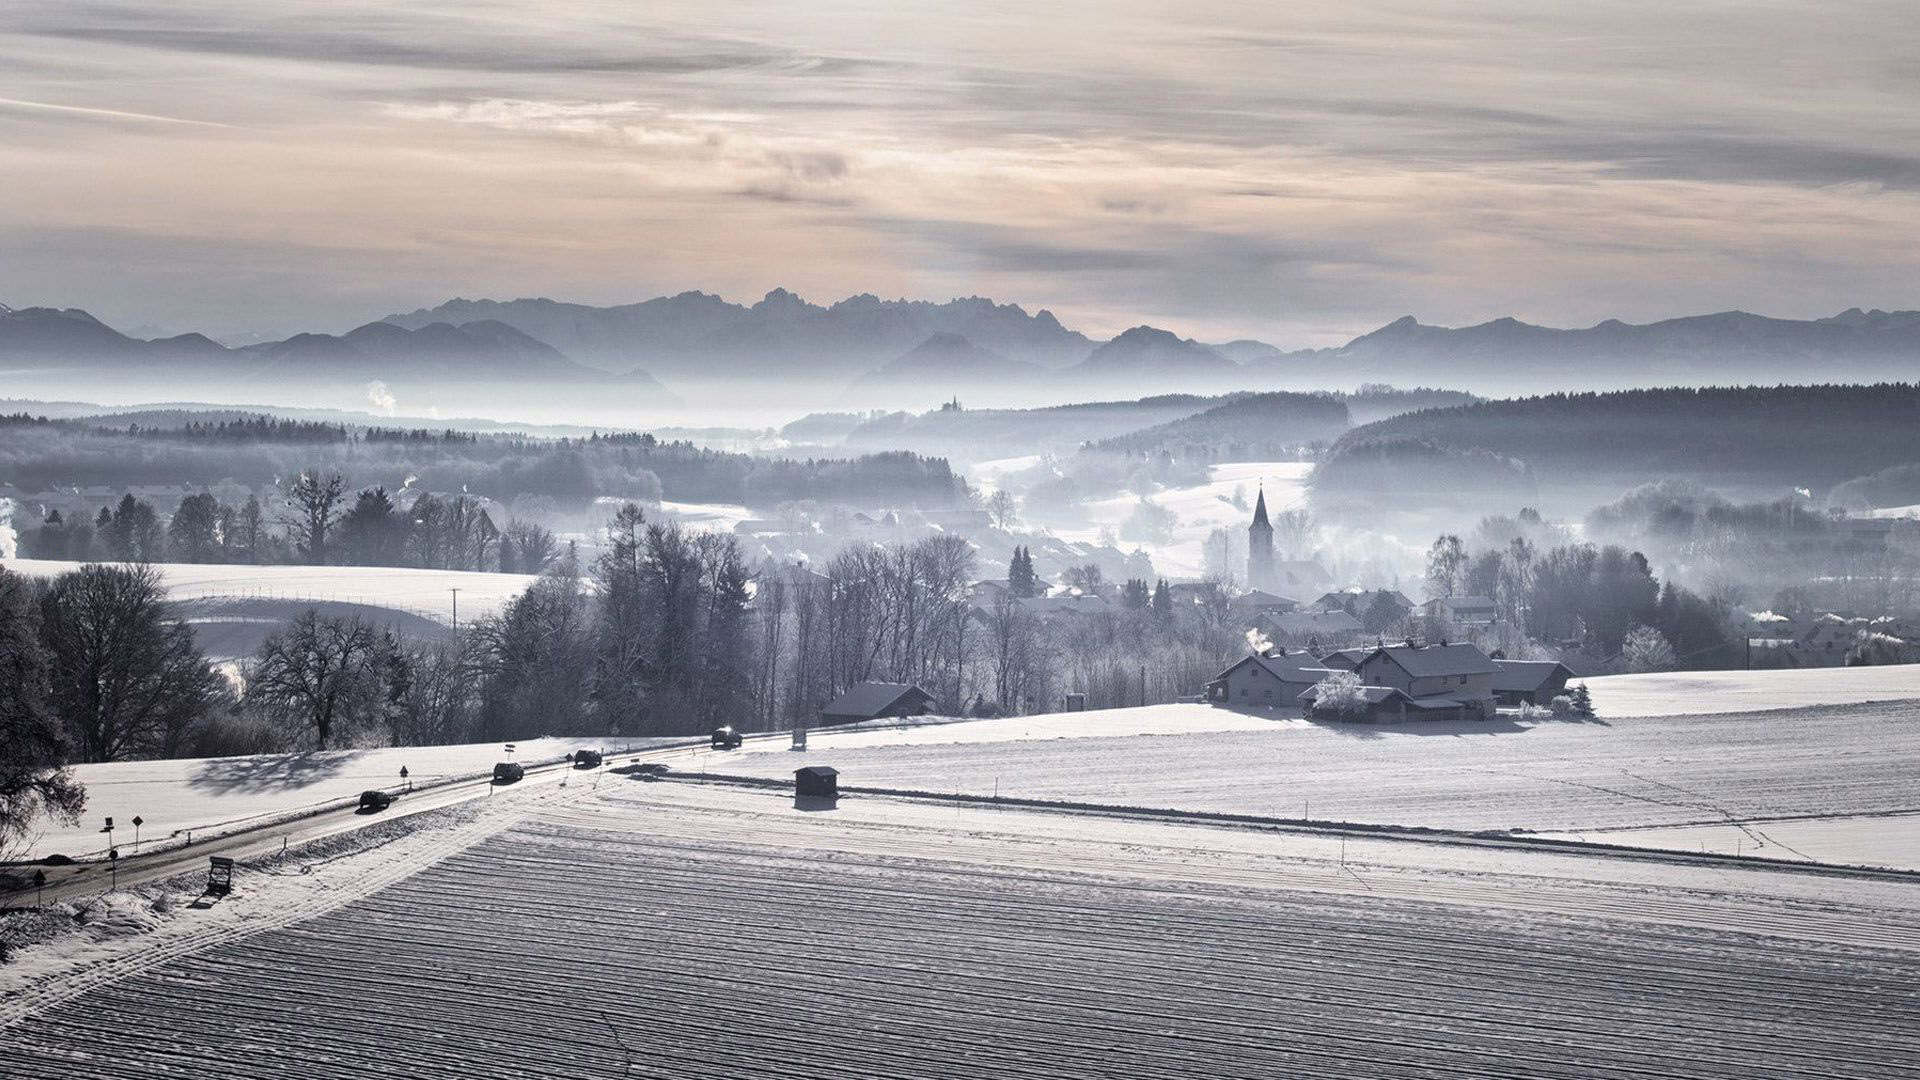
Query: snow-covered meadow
[427, 593]
[672, 929]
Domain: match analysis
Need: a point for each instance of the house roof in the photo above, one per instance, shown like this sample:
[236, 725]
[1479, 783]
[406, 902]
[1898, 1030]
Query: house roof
[1283, 665]
[1431, 661]
[1352, 656]
[1527, 674]
[869, 699]
[1318, 622]
[1372, 695]
[1466, 603]
[1070, 605]
[820, 771]
[1262, 598]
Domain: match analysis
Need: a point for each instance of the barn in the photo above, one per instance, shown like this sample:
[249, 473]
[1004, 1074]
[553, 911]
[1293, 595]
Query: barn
[876, 700]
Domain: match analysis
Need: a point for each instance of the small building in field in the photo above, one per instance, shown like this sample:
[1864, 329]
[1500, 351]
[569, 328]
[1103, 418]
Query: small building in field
[1436, 677]
[1529, 682]
[877, 700]
[1273, 680]
[816, 782]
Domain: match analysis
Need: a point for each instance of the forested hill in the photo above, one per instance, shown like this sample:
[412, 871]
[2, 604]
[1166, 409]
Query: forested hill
[1778, 436]
[1255, 427]
[38, 454]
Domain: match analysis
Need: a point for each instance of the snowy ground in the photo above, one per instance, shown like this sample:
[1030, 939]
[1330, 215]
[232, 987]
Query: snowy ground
[1201, 509]
[210, 796]
[1835, 764]
[665, 929]
[1699, 692]
[426, 593]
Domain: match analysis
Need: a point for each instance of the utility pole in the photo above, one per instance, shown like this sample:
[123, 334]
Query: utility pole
[456, 611]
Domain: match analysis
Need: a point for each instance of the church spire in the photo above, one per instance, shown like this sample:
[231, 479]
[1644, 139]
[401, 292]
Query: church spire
[1260, 510]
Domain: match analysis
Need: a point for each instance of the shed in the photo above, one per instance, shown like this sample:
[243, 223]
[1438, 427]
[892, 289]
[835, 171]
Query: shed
[816, 782]
[874, 700]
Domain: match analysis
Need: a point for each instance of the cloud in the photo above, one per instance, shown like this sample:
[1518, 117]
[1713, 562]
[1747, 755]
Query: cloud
[1283, 172]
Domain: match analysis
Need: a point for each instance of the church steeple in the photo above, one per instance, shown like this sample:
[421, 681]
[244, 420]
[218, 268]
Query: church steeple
[1260, 546]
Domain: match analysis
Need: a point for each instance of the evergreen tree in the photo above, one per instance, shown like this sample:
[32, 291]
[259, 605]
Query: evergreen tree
[1163, 600]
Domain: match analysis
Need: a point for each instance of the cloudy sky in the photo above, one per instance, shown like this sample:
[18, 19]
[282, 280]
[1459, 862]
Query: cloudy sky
[1295, 171]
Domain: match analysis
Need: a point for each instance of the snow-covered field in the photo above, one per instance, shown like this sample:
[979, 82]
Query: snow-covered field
[428, 593]
[1201, 509]
[217, 795]
[675, 930]
[1669, 692]
[1552, 776]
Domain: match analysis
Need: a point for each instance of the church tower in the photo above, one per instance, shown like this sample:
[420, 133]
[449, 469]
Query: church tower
[1260, 547]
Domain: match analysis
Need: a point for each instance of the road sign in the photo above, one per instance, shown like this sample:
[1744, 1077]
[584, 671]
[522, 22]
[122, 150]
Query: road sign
[109, 826]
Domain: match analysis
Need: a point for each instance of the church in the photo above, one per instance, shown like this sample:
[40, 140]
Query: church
[1290, 578]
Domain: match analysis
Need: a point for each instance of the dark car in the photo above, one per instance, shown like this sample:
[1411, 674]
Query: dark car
[506, 772]
[586, 759]
[725, 738]
[372, 801]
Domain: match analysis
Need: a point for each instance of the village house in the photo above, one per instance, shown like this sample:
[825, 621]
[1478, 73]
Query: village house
[1529, 682]
[1463, 610]
[1439, 680]
[1272, 680]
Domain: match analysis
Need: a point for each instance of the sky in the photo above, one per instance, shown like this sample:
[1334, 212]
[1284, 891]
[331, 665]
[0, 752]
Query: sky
[1298, 172]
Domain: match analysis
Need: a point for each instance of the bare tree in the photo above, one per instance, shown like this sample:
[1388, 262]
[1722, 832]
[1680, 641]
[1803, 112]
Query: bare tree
[320, 672]
[1003, 508]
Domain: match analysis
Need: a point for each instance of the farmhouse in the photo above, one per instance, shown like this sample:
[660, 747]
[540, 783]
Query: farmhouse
[1272, 680]
[1529, 682]
[1438, 678]
[874, 700]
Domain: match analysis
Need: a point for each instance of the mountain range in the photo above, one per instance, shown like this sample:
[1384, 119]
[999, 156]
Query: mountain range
[49, 341]
[921, 346]
[695, 334]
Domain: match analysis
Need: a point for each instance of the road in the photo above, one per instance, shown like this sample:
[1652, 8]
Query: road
[90, 878]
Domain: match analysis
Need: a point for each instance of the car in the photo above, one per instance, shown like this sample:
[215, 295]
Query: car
[375, 801]
[586, 759]
[726, 738]
[506, 772]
